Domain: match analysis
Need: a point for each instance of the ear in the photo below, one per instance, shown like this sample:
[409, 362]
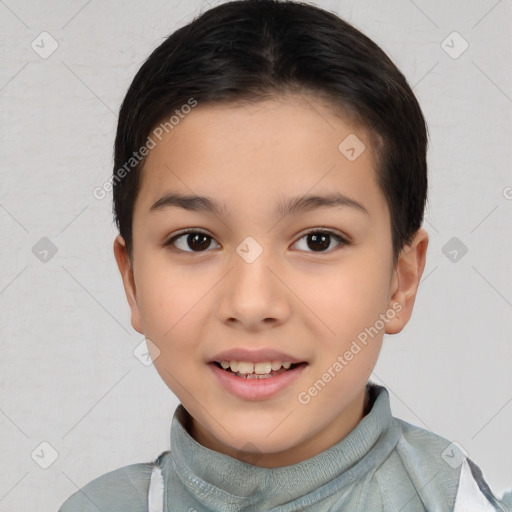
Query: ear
[126, 269]
[406, 279]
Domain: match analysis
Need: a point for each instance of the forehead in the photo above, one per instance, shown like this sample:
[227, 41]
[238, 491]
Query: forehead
[249, 152]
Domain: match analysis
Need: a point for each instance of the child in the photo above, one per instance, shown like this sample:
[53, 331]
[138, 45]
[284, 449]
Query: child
[269, 187]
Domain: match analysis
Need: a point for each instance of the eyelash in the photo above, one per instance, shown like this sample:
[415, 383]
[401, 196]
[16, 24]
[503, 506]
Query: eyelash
[341, 240]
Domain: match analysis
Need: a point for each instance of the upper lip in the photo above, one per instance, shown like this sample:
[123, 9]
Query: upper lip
[254, 356]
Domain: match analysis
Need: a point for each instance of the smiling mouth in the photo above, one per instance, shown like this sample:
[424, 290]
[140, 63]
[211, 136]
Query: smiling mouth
[258, 371]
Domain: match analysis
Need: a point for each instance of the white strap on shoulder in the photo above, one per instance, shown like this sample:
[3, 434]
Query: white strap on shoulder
[156, 491]
[469, 496]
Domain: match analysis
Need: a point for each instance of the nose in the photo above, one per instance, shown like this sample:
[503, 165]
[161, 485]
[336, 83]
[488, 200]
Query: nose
[253, 296]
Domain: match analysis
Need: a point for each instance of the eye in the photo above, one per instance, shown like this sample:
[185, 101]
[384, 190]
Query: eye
[194, 241]
[319, 239]
[198, 241]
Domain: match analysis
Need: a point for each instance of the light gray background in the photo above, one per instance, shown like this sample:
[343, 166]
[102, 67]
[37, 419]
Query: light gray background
[68, 374]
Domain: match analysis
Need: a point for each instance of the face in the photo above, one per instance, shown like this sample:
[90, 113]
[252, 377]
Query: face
[256, 281]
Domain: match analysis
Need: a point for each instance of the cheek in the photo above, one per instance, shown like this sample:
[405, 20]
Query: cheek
[169, 309]
[347, 300]
[165, 297]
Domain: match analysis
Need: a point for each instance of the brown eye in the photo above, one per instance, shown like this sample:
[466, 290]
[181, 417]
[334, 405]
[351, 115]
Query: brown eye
[321, 240]
[191, 241]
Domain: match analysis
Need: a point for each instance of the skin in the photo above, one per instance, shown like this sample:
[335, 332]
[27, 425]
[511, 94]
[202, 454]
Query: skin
[308, 303]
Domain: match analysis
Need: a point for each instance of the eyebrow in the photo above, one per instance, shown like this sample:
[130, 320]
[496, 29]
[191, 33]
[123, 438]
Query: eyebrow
[284, 207]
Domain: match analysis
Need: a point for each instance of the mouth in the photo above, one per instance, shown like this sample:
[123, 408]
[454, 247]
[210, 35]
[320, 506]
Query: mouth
[260, 370]
[261, 380]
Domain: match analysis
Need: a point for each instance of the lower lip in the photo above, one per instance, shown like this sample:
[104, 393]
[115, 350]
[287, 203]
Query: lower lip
[256, 389]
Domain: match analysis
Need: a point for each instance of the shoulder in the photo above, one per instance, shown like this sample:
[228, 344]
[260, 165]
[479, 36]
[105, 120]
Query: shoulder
[441, 468]
[474, 494]
[420, 445]
[122, 490]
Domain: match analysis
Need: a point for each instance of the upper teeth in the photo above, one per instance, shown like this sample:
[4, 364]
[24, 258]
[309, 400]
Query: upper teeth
[259, 368]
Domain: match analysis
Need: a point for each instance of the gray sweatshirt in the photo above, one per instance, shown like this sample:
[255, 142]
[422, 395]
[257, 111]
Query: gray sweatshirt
[383, 465]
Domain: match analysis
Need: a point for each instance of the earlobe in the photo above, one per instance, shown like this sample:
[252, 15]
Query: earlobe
[408, 272]
[126, 270]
